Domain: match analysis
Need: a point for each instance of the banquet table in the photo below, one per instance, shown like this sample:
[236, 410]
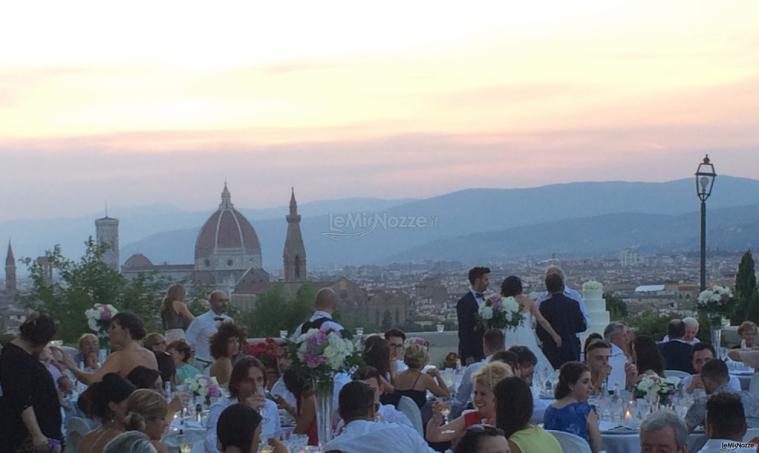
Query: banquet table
[193, 433]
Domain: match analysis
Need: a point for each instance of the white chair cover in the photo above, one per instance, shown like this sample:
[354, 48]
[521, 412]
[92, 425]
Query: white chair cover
[753, 386]
[571, 443]
[409, 407]
[77, 428]
[750, 434]
[676, 373]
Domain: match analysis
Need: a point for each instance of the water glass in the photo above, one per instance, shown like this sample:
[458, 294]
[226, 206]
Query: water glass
[283, 334]
[359, 331]
[440, 328]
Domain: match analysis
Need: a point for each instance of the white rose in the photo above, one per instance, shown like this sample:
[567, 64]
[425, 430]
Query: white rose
[486, 312]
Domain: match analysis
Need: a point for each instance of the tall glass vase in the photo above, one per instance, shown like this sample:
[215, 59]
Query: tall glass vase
[716, 334]
[324, 411]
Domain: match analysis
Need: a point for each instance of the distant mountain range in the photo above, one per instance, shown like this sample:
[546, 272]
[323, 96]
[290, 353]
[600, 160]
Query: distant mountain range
[583, 218]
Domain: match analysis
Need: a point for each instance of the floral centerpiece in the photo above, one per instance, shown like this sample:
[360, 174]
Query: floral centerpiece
[497, 313]
[203, 387]
[268, 351]
[98, 319]
[715, 302]
[653, 387]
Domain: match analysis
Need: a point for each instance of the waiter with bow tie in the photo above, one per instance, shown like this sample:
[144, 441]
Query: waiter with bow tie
[470, 333]
[204, 326]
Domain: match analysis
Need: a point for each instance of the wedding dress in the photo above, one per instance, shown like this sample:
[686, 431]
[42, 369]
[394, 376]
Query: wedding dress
[524, 334]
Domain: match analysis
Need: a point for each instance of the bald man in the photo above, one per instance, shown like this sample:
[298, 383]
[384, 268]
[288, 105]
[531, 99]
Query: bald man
[205, 325]
[324, 306]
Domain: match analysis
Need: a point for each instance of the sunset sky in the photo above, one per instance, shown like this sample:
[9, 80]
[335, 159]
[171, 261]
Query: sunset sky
[160, 102]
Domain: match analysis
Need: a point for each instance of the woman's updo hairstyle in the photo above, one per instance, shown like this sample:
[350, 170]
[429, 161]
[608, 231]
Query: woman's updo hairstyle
[511, 286]
[569, 374]
[132, 323]
[38, 329]
[142, 405]
[112, 389]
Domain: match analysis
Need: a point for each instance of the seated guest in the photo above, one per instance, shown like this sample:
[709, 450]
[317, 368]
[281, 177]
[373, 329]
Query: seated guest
[147, 412]
[305, 408]
[716, 380]
[484, 380]
[239, 431]
[623, 372]
[386, 412]
[362, 434]
[146, 378]
[109, 406]
[676, 352]
[691, 330]
[89, 347]
[493, 341]
[124, 331]
[413, 382]
[154, 342]
[377, 354]
[663, 431]
[513, 413]
[597, 359]
[527, 362]
[592, 338]
[703, 353]
[747, 332]
[647, 357]
[725, 423]
[129, 442]
[509, 358]
[395, 340]
[451, 360]
[224, 346]
[482, 439]
[181, 354]
[246, 385]
[571, 412]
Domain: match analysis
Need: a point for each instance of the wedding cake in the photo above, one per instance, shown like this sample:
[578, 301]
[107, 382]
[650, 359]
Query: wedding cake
[592, 292]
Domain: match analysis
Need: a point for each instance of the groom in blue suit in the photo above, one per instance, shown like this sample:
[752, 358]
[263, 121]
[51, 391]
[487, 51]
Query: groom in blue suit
[470, 333]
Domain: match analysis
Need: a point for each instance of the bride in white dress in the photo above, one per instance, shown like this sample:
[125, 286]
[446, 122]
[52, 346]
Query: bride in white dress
[524, 333]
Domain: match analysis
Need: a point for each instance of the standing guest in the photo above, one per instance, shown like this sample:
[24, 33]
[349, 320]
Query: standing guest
[747, 332]
[204, 326]
[623, 372]
[239, 431]
[246, 386]
[395, 341]
[124, 332]
[725, 424]
[703, 353]
[647, 357]
[663, 431]
[147, 412]
[485, 379]
[89, 346]
[181, 354]
[492, 343]
[470, 334]
[130, 442]
[513, 414]
[676, 352]
[415, 383]
[568, 291]
[564, 315]
[597, 359]
[571, 412]
[386, 412]
[325, 305]
[109, 406]
[363, 434]
[225, 345]
[482, 439]
[175, 316]
[30, 413]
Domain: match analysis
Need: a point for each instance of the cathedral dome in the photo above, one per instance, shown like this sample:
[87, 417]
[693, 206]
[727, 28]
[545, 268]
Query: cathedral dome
[136, 261]
[227, 240]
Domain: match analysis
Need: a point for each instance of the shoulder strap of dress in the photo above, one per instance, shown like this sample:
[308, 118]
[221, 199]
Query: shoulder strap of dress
[413, 386]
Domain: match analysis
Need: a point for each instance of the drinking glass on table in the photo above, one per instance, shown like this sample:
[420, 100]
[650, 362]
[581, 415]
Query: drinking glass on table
[440, 328]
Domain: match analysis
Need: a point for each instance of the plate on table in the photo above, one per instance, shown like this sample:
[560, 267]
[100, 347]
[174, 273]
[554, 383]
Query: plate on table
[609, 427]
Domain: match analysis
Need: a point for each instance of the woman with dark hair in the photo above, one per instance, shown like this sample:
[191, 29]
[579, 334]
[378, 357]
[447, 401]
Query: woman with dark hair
[247, 385]
[513, 299]
[175, 316]
[124, 332]
[571, 412]
[30, 413]
[181, 354]
[377, 355]
[305, 409]
[224, 346]
[109, 406]
[513, 413]
[239, 431]
[647, 357]
[482, 439]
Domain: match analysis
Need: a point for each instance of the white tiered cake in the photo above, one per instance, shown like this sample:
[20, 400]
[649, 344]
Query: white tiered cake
[592, 292]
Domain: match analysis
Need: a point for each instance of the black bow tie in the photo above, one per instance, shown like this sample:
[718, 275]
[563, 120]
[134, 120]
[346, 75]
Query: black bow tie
[479, 295]
[218, 318]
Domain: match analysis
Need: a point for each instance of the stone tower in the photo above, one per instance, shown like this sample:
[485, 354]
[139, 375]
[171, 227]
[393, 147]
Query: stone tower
[10, 271]
[107, 232]
[295, 252]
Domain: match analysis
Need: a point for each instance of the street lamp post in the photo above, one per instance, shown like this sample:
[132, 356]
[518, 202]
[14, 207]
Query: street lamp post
[705, 176]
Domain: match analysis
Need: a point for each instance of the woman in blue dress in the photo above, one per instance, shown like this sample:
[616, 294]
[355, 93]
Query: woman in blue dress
[571, 412]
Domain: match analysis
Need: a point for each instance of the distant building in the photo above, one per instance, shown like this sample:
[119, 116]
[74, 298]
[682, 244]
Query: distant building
[11, 316]
[107, 234]
[629, 257]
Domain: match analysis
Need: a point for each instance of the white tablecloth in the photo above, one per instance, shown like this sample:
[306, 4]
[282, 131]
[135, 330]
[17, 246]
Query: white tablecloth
[192, 432]
[630, 443]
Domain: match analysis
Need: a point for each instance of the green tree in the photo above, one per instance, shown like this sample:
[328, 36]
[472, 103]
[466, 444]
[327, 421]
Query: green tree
[651, 323]
[616, 307]
[274, 311]
[746, 296]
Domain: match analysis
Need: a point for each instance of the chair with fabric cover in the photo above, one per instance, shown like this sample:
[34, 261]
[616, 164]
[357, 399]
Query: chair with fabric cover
[753, 386]
[409, 407]
[77, 428]
[750, 434]
[571, 442]
[676, 373]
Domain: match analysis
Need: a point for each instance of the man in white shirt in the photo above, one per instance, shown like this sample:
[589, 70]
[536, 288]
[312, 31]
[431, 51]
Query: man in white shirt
[492, 341]
[703, 353]
[362, 434]
[726, 425]
[623, 371]
[324, 306]
[691, 330]
[395, 341]
[568, 292]
[204, 326]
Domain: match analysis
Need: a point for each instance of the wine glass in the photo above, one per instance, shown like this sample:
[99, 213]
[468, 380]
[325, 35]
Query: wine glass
[185, 447]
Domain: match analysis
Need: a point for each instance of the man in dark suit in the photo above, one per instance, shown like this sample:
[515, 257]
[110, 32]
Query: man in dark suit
[567, 320]
[676, 352]
[470, 334]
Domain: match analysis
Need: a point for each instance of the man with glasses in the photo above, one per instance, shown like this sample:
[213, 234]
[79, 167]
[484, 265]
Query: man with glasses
[204, 326]
[395, 340]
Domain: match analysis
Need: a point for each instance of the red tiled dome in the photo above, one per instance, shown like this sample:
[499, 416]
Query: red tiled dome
[226, 229]
[136, 261]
